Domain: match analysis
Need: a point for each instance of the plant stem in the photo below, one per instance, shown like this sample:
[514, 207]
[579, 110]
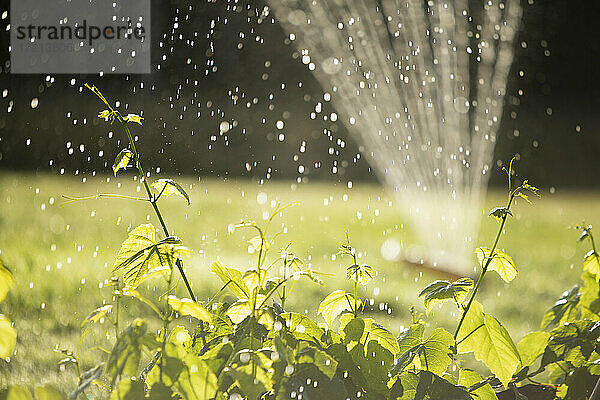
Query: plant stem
[284, 285]
[152, 200]
[487, 264]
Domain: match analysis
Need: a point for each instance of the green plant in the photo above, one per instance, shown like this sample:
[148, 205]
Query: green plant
[246, 344]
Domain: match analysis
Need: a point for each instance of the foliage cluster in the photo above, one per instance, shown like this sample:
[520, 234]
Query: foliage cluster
[247, 344]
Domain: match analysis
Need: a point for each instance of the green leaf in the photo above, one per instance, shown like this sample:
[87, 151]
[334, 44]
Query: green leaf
[253, 374]
[133, 118]
[434, 387]
[254, 281]
[302, 327]
[160, 391]
[8, 337]
[501, 262]
[440, 291]
[362, 274]
[573, 341]
[434, 353]
[565, 309]
[468, 378]
[167, 187]
[141, 257]
[336, 303]
[128, 389]
[6, 280]
[532, 346]
[122, 160]
[591, 263]
[483, 335]
[499, 212]
[48, 392]
[96, 315]
[16, 392]
[239, 311]
[232, 278]
[125, 355]
[189, 307]
[323, 361]
[590, 297]
[367, 330]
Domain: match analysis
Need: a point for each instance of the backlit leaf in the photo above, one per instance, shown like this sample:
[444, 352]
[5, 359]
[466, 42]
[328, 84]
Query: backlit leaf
[133, 118]
[96, 315]
[432, 354]
[48, 392]
[6, 280]
[432, 386]
[532, 346]
[128, 389]
[125, 355]
[468, 378]
[122, 160]
[592, 263]
[189, 307]
[140, 256]
[167, 187]
[501, 262]
[232, 278]
[336, 303]
[362, 274]
[483, 335]
[565, 309]
[302, 327]
[8, 337]
[441, 291]
[499, 212]
[16, 392]
[239, 311]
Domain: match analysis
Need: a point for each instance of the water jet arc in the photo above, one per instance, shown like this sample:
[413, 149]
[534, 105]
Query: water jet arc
[421, 86]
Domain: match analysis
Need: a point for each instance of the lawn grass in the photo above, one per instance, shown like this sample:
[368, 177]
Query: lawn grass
[61, 255]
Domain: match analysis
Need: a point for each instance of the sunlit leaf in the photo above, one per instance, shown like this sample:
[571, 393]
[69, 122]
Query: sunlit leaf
[591, 263]
[441, 291]
[432, 354]
[254, 280]
[48, 392]
[8, 337]
[122, 160]
[97, 315]
[565, 309]
[363, 274]
[166, 187]
[189, 307]
[6, 280]
[532, 346]
[16, 392]
[302, 327]
[323, 361]
[336, 303]
[371, 331]
[107, 115]
[499, 212]
[140, 256]
[239, 311]
[501, 262]
[128, 389]
[468, 378]
[483, 335]
[125, 355]
[232, 278]
[432, 386]
[133, 118]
